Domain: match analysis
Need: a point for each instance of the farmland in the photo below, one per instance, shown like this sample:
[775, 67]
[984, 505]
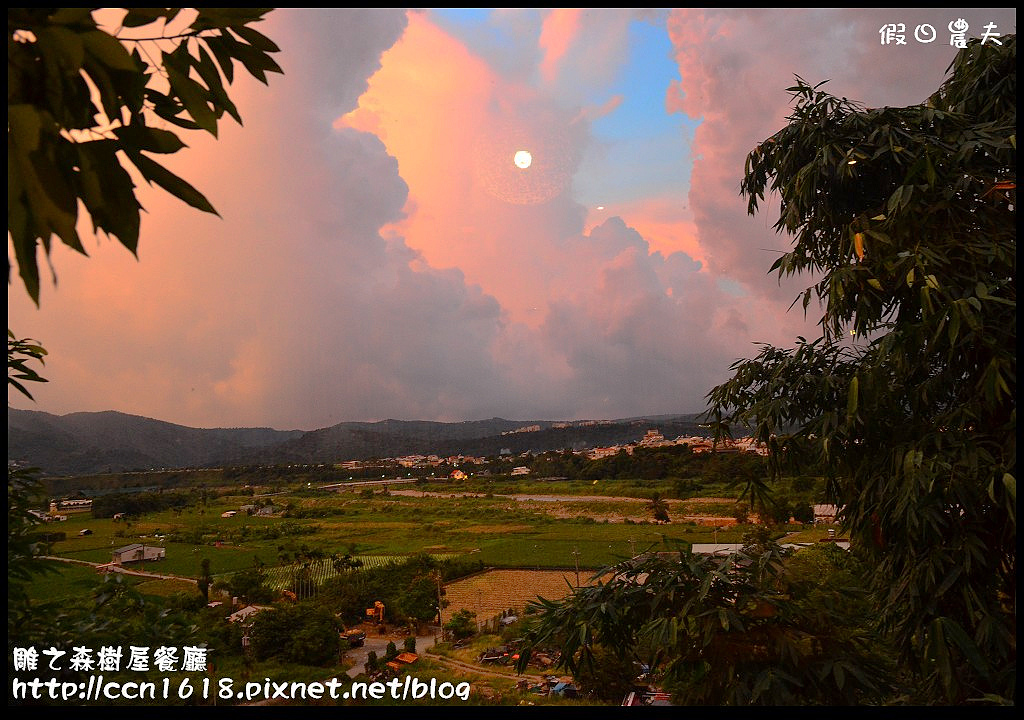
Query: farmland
[310, 527]
[338, 550]
[493, 592]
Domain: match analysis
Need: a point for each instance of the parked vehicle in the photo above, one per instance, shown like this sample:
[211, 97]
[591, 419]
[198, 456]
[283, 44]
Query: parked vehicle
[356, 638]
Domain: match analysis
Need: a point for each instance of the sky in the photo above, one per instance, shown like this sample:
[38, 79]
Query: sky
[379, 254]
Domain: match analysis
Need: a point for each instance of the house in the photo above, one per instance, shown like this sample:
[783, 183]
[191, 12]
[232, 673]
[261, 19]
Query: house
[137, 552]
[457, 475]
[245, 614]
[825, 513]
[402, 659]
[603, 452]
[521, 470]
[652, 438]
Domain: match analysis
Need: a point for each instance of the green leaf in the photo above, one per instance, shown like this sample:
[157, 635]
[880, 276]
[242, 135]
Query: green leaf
[851, 398]
[112, 206]
[894, 200]
[65, 45]
[24, 123]
[72, 16]
[155, 173]
[255, 38]
[150, 139]
[219, 47]
[954, 325]
[207, 70]
[255, 61]
[137, 17]
[109, 51]
[193, 96]
[955, 632]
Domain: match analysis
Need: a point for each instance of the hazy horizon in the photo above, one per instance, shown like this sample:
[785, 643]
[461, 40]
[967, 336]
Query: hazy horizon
[652, 416]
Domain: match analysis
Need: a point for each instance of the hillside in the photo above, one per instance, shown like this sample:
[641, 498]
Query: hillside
[81, 443]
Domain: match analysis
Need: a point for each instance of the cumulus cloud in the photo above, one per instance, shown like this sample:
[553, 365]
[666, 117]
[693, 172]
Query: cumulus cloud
[380, 256]
[735, 66]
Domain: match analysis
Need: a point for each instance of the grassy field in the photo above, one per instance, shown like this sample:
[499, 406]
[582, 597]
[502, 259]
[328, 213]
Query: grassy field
[499, 531]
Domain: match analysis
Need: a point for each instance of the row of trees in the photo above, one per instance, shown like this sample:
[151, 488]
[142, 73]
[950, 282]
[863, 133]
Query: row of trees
[409, 590]
[135, 504]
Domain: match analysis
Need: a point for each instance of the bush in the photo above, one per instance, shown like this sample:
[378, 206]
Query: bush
[462, 625]
[298, 634]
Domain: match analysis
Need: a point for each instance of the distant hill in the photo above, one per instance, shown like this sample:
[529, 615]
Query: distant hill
[113, 441]
[83, 443]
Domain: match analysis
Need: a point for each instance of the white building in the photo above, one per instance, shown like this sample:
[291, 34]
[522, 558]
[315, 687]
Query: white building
[137, 552]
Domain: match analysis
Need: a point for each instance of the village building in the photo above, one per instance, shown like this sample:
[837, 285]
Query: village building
[244, 615]
[137, 552]
[825, 514]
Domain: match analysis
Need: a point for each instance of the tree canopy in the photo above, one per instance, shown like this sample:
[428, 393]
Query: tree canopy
[736, 630]
[906, 219]
[906, 402]
[86, 106]
[86, 102]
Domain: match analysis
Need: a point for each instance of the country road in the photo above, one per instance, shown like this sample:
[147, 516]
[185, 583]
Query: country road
[121, 569]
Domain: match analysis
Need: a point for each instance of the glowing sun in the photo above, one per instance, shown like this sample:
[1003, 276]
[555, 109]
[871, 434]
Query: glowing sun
[522, 159]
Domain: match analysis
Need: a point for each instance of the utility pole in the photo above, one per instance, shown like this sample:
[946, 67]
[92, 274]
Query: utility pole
[440, 621]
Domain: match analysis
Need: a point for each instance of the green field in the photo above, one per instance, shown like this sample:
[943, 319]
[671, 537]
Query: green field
[310, 527]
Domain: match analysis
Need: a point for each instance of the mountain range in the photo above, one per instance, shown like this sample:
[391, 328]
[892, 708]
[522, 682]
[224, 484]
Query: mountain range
[95, 442]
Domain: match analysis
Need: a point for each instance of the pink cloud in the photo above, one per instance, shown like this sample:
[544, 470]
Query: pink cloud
[735, 66]
[665, 223]
[380, 256]
[558, 32]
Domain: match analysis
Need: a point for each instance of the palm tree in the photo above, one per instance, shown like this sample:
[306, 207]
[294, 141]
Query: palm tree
[659, 508]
